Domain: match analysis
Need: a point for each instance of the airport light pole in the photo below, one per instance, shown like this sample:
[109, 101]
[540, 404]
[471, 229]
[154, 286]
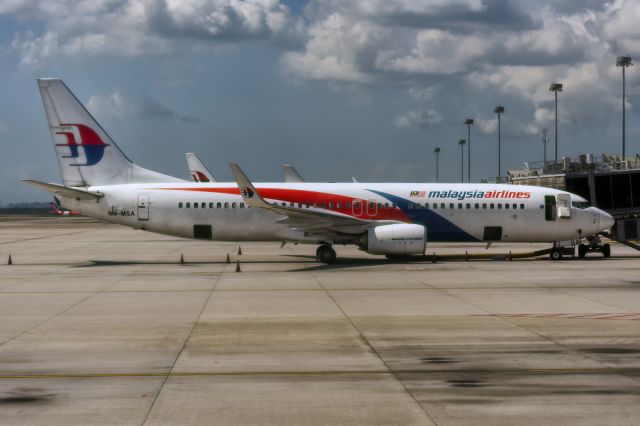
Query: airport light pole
[623, 62]
[499, 110]
[437, 152]
[461, 142]
[545, 139]
[556, 87]
[469, 123]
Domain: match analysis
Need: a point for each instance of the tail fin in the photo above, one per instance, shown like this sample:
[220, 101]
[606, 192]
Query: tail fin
[197, 169]
[86, 154]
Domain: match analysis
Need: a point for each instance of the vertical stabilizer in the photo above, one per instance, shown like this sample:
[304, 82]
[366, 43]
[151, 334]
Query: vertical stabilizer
[85, 152]
[197, 169]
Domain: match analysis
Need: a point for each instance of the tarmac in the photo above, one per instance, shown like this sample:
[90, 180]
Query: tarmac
[101, 324]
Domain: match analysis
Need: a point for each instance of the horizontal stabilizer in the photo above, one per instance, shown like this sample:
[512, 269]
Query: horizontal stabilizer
[64, 191]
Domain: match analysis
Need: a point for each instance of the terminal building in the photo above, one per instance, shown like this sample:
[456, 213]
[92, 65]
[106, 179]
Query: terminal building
[606, 181]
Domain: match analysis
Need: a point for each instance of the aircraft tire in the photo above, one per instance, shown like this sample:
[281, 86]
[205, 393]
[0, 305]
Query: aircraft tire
[326, 254]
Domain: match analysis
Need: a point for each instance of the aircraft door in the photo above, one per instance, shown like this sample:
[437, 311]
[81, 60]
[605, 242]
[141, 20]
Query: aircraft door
[549, 207]
[564, 206]
[143, 207]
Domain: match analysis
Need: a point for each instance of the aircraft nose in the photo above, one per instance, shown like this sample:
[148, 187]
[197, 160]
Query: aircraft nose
[606, 220]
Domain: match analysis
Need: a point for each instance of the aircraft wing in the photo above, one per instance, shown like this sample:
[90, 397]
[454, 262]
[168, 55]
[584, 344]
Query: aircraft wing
[65, 191]
[300, 219]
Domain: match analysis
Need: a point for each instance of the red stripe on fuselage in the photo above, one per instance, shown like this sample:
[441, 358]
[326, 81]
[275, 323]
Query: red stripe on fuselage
[304, 197]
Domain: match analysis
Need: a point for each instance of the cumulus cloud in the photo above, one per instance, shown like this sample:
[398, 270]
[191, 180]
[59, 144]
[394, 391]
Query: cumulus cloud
[117, 105]
[142, 27]
[417, 118]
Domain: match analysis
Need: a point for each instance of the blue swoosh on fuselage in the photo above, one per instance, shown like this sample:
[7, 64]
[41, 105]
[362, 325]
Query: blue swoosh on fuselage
[439, 229]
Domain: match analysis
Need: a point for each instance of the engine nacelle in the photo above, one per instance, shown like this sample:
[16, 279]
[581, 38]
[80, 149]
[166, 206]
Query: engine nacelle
[400, 239]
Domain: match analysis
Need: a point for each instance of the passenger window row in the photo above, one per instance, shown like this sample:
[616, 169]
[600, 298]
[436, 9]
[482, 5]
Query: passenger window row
[468, 206]
[189, 205]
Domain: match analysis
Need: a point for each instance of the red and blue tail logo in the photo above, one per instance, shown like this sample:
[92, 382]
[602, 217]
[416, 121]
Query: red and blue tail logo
[90, 142]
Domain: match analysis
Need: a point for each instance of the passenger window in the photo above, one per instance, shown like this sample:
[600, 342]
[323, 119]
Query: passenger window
[356, 205]
[451, 205]
[195, 205]
[380, 205]
[179, 205]
[347, 205]
[491, 206]
[330, 205]
[284, 204]
[506, 206]
[459, 205]
[522, 206]
[435, 205]
[299, 205]
[219, 205]
[410, 206]
[226, 205]
[292, 204]
[242, 205]
[418, 206]
[484, 205]
[499, 206]
[338, 205]
[386, 205]
[203, 205]
[442, 205]
[188, 205]
[322, 205]
[426, 205]
[315, 205]
[468, 206]
[515, 206]
[393, 205]
[233, 205]
[372, 205]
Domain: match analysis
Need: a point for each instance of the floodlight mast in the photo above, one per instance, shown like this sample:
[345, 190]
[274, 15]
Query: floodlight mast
[469, 123]
[461, 142]
[556, 87]
[623, 62]
[437, 152]
[499, 110]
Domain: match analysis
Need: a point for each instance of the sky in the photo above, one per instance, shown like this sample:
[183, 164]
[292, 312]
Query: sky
[338, 88]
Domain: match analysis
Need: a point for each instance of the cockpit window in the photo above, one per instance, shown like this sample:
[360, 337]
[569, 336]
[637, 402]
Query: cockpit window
[580, 204]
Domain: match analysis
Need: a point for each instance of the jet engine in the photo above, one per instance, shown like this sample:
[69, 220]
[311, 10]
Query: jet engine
[397, 239]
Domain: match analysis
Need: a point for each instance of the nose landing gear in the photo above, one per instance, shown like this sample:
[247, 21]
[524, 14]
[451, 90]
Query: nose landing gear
[326, 254]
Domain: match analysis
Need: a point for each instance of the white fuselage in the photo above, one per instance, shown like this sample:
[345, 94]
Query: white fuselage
[450, 212]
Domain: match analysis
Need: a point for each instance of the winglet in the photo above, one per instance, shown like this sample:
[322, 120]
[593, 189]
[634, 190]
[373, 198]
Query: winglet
[247, 190]
[291, 174]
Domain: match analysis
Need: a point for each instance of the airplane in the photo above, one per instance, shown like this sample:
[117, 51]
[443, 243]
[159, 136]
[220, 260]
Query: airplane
[197, 169]
[391, 219]
[200, 173]
[59, 212]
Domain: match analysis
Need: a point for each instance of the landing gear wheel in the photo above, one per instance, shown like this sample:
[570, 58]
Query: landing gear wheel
[555, 254]
[326, 254]
[582, 251]
[606, 250]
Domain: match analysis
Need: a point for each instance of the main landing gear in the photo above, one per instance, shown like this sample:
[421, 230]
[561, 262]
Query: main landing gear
[326, 254]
